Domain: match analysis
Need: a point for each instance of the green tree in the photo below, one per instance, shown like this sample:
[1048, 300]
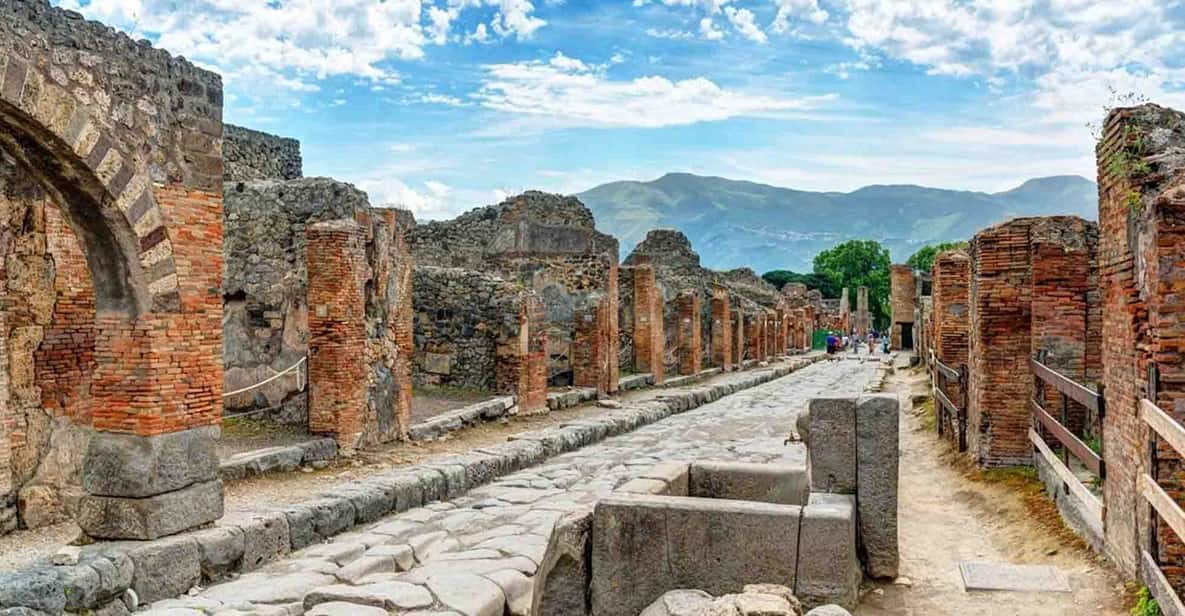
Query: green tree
[923, 259]
[859, 263]
[779, 278]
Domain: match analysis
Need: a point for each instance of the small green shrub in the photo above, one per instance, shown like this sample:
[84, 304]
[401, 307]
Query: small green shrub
[1145, 604]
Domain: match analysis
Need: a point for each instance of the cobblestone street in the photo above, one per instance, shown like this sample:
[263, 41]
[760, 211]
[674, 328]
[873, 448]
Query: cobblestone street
[476, 554]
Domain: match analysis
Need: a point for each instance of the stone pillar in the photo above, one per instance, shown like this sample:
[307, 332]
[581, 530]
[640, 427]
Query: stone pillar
[1011, 265]
[337, 330]
[863, 318]
[1142, 270]
[690, 338]
[721, 329]
[8, 521]
[592, 351]
[845, 311]
[901, 303]
[648, 326]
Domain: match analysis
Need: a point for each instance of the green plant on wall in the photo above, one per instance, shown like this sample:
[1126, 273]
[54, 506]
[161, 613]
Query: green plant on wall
[1145, 604]
[1128, 162]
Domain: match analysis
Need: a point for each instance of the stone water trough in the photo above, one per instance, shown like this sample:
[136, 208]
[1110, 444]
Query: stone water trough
[717, 526]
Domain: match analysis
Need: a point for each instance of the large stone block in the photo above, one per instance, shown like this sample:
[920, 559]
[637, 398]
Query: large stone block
[782, 484]
[876, 496]
[644, 546]
[108, 517]
[831, 445]
[828, 563]
[165, 569]
[563, 578]
[130, 466]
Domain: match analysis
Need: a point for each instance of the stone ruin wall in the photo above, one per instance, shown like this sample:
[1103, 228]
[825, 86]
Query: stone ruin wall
[1029, 293]
[549, 245]
[253, 155]
[1141, 216]
[951, 316]
[462, 318]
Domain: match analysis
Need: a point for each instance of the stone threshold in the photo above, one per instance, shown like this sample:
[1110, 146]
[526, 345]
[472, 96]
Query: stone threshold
[241, 542]
[277, 459]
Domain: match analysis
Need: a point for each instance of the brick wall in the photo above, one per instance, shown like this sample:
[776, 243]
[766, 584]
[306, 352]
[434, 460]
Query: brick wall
[337, 330]
[901, 302]
[951, 312]
[738, 336]
[521, 359]
[721, 329]
[66, 357]
[690, 337]
[593, 345]
[1141, 224]
[1012, 263]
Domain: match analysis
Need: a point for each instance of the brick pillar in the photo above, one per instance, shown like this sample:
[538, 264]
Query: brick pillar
[901, 303]
[738, 333]
[337, 330]
[1020, 284]
[690, 339]
[1142, 272]
[649, 337]
[721, 329]
[156, 390]
[8, 521]
[521, 356]
[951, 314]
[592, 350]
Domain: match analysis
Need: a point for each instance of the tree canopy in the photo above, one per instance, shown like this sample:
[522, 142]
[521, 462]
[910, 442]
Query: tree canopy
[859, 263]
[779, 278]
[923, 259]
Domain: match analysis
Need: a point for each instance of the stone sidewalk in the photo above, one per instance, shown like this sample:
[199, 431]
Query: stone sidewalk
[476, 554]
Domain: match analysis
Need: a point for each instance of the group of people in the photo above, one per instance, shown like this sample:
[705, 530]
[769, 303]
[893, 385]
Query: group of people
[837, 341]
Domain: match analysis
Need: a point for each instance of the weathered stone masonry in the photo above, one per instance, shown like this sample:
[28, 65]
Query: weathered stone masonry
[951, 312]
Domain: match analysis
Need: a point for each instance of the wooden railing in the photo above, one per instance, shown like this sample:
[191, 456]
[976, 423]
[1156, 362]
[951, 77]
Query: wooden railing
[1068, 390]
[944, 407]
[1163, 507]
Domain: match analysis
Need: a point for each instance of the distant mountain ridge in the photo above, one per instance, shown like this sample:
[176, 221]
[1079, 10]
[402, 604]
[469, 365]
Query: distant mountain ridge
[734, 223]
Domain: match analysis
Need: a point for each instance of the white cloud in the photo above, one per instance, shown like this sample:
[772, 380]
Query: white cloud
[292, 44]
[744, 21]
[577, 95]
[432, 201]
[709, 31]
[803, 9]
[669, 34]
[433, 98]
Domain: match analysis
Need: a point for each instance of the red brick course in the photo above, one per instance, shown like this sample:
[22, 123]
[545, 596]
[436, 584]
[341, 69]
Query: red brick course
[951, 294]
[649, 337]
[722, 338]
[902, 290]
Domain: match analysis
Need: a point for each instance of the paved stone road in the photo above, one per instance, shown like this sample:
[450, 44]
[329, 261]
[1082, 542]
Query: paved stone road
[475, 555]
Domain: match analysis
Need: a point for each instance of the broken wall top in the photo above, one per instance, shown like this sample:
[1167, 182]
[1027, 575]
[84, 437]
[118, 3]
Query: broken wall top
[255, 155]
[533, 223]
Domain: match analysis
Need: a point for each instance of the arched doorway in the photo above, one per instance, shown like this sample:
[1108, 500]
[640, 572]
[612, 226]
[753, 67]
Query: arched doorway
[125, 140]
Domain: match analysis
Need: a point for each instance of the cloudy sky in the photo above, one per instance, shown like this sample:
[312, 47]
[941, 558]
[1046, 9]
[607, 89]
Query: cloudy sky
[444, 105]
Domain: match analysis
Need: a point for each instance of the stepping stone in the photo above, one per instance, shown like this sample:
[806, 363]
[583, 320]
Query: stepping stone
[1004, 576]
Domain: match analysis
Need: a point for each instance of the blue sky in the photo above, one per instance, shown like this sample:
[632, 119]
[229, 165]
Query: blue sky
[445, 105]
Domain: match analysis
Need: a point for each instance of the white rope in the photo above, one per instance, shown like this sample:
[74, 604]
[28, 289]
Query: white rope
[299, 376]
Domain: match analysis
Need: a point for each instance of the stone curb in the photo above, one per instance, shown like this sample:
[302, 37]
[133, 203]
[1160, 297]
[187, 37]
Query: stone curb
[242, 542]
[277, 459]
[469, 416]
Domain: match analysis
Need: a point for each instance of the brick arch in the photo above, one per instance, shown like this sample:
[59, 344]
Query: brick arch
[103, 188]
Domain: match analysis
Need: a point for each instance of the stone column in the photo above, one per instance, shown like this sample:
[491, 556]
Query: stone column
[591, 348]
[690, 338]
[738, 346]
[863, 318]
[337, 330]
[951, 314]
[721, 329]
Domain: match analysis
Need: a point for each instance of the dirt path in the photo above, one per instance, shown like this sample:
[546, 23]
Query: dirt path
[951, 513]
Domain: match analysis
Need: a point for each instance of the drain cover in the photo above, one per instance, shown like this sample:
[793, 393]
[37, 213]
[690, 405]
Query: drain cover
[1026, 578]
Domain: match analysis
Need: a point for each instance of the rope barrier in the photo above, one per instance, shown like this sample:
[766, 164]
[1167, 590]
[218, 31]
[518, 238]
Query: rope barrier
[299, 375]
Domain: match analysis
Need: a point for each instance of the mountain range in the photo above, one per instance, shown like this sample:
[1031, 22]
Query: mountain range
[735, 223]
